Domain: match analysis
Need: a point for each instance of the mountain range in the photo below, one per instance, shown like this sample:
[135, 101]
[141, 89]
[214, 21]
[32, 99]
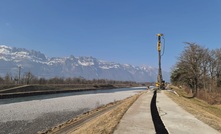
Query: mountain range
[11, 58]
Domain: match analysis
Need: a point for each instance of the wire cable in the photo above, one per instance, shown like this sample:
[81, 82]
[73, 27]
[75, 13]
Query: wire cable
[163, 45]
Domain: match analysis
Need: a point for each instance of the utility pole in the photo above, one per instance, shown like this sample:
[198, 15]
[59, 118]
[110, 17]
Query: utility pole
[160, 81]
[28, 79]
[19, 74]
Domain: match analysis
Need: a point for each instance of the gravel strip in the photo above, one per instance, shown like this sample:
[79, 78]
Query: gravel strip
[32, 116]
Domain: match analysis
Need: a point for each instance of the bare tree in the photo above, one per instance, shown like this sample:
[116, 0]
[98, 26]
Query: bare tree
[191, 66]
[218, 66]
[204, 67]
[211, 69]
[8, 79]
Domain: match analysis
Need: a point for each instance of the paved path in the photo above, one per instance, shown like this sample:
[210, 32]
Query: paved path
[176, 120]
[137, 119]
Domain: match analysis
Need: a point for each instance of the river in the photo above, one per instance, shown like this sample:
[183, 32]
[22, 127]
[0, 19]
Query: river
[27, 115]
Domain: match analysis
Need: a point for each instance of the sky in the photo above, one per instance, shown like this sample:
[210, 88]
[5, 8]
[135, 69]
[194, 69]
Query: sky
[121, 31]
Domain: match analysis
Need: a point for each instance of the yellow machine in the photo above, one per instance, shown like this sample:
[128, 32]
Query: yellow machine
[159, 43]
[157, 84]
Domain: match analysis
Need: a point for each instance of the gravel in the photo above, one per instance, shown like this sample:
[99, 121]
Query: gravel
[29, 117]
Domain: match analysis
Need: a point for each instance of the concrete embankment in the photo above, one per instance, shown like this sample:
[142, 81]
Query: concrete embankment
[32, 90]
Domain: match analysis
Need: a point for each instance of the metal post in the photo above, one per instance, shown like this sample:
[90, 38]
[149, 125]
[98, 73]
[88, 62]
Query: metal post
[19, 74]
[159, 78]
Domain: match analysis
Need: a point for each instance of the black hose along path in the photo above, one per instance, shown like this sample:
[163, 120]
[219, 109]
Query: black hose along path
[158, 124]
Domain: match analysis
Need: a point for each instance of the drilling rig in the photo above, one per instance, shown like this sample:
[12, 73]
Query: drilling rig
[160, 82]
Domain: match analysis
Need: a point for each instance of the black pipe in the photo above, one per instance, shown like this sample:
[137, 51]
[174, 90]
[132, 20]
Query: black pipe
[158, 123]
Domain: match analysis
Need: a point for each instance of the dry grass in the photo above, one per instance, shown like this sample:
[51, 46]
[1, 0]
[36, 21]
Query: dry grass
[209, 114]
[106, 123]
[103, 124]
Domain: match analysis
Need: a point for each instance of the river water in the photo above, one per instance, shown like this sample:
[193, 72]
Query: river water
[28, 115]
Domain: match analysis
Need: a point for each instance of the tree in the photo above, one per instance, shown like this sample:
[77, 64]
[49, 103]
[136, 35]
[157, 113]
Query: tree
[1, 80]
[8, 79]
[217, 54]
[42, 81]
[29, 78]
[190, 67]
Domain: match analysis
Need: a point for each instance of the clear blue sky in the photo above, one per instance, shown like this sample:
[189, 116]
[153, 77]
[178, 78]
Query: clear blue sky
[122, 31]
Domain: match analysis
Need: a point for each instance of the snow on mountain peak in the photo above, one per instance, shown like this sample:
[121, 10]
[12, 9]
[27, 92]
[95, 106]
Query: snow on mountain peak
[147, 68]
[6, 47]
[86, 61]
[87, 67]
[18, 54]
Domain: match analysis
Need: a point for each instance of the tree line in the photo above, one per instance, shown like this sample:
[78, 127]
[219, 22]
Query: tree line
[29, 78]
[198, 68]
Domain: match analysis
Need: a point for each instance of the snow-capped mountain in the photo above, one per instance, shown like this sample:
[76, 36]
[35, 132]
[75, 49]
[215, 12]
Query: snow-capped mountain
[88, 67]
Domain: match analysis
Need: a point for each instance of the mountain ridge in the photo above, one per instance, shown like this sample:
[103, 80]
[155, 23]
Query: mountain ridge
[87, 67]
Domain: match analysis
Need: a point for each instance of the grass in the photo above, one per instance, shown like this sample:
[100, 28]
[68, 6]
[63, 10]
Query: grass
[209, 114]
[106, 123]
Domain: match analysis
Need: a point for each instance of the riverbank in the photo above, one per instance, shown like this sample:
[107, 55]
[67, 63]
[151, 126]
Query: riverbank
[27, 115]
[33, 90]
[105, 123]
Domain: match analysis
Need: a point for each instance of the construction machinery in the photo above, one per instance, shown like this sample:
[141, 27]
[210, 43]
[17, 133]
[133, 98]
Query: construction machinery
[160, 82]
